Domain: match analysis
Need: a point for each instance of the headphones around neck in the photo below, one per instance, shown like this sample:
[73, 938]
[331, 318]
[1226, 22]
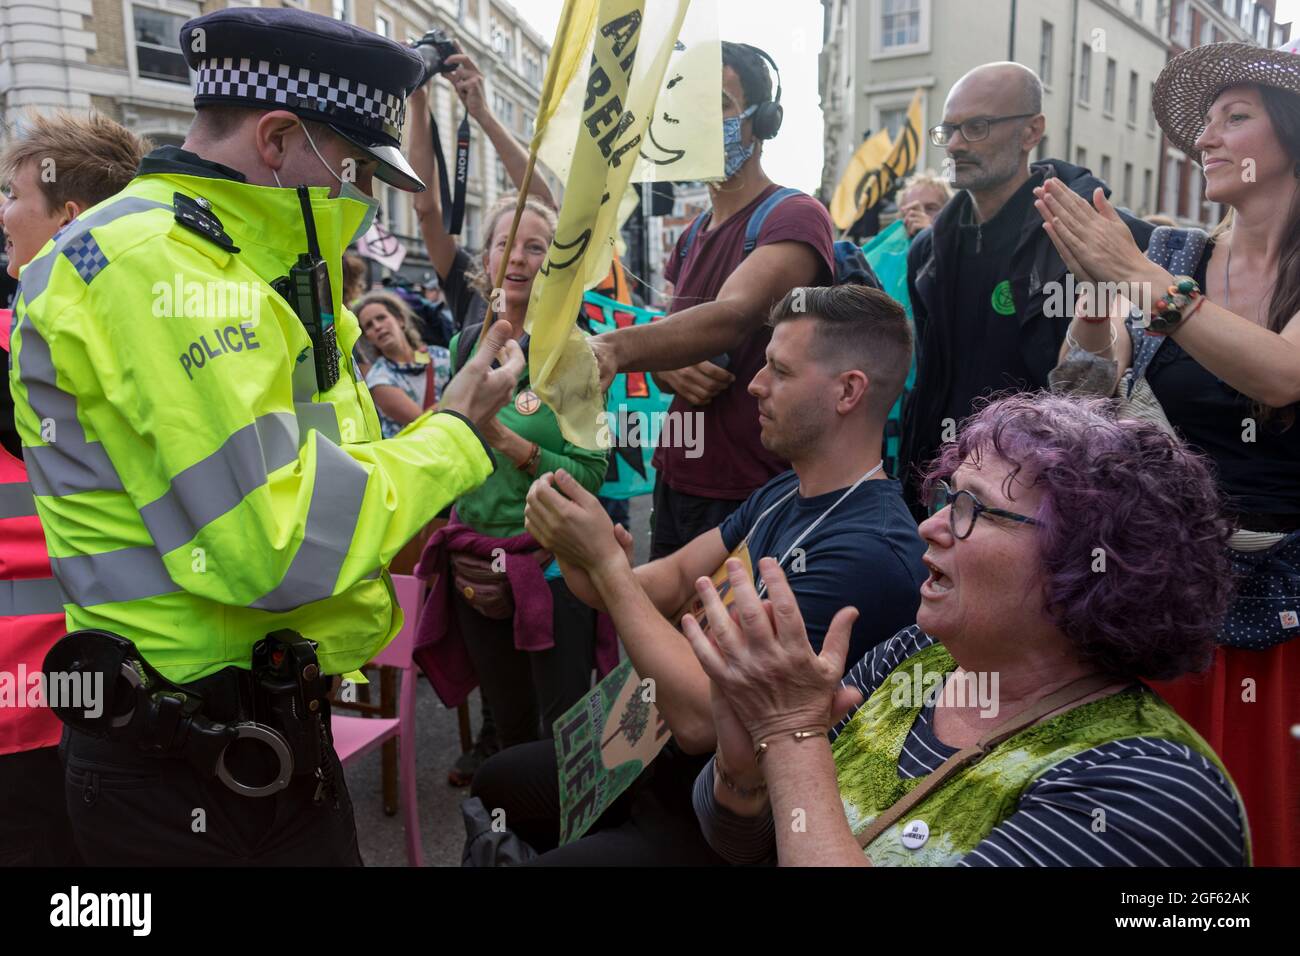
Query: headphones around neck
[766, 120]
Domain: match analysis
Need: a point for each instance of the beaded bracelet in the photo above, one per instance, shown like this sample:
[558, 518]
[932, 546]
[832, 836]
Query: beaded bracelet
[1175, 307]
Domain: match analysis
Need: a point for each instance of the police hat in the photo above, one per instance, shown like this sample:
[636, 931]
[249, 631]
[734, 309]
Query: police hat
[317, 67]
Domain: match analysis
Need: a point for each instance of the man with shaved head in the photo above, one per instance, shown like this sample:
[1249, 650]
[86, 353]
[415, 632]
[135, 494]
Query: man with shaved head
[980, 275]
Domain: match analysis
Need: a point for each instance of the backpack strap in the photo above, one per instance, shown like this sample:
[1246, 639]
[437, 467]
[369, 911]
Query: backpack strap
[691, 233]
[761, 213]
[465, 344]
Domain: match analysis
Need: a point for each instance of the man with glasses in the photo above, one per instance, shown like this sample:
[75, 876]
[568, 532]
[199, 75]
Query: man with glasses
[980, 276]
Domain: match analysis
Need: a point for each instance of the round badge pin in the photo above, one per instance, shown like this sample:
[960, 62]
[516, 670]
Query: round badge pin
[915, 833]
[527, 402]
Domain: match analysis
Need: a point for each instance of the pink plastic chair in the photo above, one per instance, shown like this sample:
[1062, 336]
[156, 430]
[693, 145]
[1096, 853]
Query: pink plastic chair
[354, 736]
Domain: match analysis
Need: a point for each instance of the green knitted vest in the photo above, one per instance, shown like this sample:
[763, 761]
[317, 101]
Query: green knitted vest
[965, 809]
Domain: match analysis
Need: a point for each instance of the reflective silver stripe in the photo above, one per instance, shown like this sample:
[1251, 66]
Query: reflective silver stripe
[317, 417]
[210, 488]
[312, 416]
[331, 523]
[128, 574]
[36, 274]
[31, 596]
[16, 499]
[68, 464]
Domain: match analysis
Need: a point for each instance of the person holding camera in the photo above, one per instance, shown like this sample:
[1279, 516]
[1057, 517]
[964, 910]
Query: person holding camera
[457, 271]
[219, 502]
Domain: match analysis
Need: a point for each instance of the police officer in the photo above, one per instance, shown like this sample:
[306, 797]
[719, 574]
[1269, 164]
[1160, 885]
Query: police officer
[218, 504]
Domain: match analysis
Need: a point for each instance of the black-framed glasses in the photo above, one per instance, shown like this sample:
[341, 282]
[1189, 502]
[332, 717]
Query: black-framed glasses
[966, 508]
[972, 130]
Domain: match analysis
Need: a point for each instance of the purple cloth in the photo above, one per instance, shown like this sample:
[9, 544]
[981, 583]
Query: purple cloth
[439, 645]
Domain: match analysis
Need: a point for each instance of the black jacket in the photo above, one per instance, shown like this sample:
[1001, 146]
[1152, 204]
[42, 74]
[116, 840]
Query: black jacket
[931, 275]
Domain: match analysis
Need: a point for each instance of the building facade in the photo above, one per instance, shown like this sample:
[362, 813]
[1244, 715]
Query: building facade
[122, 58]
[1098, 60]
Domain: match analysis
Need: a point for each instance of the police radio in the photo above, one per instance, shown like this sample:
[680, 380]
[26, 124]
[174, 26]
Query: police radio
[307, 289]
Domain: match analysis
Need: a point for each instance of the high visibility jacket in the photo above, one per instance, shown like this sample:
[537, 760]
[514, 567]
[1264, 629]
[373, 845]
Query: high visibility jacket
[31, 615]
[197, 492]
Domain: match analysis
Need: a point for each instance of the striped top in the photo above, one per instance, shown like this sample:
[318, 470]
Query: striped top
[1164, 804]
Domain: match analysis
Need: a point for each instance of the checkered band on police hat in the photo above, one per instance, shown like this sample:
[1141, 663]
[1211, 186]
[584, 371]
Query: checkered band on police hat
[335, 99]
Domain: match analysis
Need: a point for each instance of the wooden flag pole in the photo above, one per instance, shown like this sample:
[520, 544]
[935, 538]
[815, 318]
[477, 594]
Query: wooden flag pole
[498, 294]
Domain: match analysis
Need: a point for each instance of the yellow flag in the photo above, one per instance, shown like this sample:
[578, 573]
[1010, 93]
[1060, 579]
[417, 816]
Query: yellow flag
[620, 61]
[870, 156]
[878, 178]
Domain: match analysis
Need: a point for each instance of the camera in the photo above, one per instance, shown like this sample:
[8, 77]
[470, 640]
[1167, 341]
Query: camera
[434, 48]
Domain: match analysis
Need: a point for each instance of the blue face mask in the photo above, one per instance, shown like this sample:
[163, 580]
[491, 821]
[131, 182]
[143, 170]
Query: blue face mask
[734, 152]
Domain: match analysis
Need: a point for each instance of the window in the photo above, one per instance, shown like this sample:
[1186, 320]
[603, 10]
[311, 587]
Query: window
[1278, 37]
[502, 178]
[1108, 95]
[1147, 179]
[505, 110]
[1207, 32]
[1180, 26]
[1230, 8]
[900, 23]
[892, 119]
[1247, 13]
[1132, 97]
[1169, 201]
[1262, 25]
[503, 41]
[383, 26]
[343, 10]
[1151, 107]
[1085, 75]
[393, 209]
[1137, 9]
[1080, 156]
[1105, 170]
[157, 45]
[1045, 55]
[1128, 185]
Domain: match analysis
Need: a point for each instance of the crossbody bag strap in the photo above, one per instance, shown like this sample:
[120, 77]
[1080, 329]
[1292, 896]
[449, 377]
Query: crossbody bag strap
[430, 398]
[1069, 694]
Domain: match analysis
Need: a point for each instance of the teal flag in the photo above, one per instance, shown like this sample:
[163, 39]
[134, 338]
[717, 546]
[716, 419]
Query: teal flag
[634, 406]
[887, 253]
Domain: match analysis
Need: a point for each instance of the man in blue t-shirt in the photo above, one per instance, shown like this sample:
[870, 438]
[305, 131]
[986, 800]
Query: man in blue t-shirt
[837, 523]
[834, 366]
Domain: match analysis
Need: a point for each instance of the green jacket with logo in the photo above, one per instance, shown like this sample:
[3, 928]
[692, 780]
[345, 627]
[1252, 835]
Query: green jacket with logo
[196, 490]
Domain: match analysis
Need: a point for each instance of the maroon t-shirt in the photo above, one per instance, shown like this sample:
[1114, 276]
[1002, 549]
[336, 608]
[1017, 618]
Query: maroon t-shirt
[734, 463]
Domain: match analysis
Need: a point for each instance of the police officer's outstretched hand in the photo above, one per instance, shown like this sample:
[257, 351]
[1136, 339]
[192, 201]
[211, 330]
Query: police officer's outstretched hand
[479, 391]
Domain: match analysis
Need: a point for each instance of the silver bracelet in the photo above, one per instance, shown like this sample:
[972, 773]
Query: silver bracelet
[1072, 343]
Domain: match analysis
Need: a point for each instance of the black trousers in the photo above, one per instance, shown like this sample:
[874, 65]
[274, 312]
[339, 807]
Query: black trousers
[34, 825]
[132, 809]
[650, 824]
[527, 690]
[680, 518]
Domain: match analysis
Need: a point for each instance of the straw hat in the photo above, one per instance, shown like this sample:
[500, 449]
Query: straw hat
[1189, 83]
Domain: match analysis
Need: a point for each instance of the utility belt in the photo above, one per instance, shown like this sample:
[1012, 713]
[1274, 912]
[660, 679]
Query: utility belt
[281, 703]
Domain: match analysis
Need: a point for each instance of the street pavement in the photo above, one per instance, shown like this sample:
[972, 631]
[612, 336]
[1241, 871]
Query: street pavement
[381, 837]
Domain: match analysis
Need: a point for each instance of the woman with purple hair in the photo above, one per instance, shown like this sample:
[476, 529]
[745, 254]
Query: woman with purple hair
[1072, 555]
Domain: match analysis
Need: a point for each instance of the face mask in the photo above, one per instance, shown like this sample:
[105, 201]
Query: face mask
[734, 151]
[347, 190]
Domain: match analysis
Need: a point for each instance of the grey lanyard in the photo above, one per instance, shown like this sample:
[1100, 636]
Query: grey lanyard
[762, 585]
